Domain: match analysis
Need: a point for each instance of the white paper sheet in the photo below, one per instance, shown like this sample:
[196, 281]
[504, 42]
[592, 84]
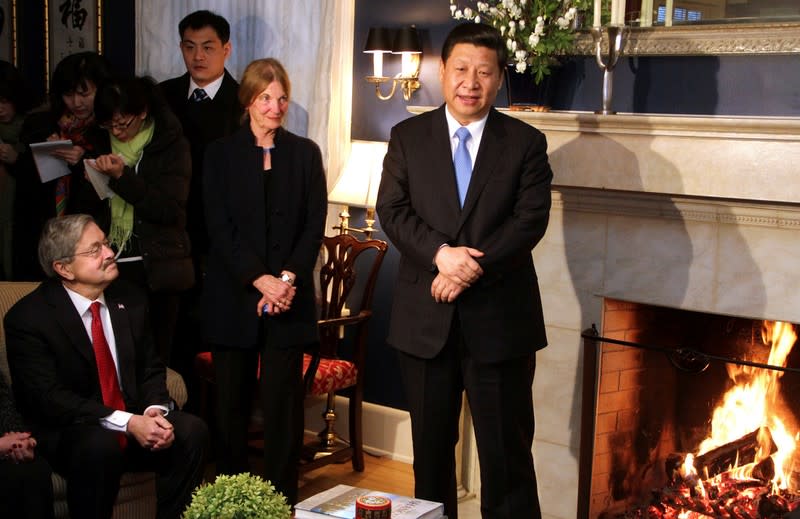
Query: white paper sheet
[50, 167]
[98, 180]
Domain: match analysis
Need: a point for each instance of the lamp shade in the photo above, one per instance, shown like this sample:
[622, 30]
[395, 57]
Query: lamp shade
[357, 186]
[379, 39]
[406, 40]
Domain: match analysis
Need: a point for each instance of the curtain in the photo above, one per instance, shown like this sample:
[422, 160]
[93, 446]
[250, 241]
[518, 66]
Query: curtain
[312, 38]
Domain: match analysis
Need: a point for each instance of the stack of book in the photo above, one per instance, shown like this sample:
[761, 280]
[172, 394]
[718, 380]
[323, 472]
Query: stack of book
[340, 502]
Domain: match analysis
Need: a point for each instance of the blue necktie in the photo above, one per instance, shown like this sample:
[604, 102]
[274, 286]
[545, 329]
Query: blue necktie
[463, 163]
[199, 95]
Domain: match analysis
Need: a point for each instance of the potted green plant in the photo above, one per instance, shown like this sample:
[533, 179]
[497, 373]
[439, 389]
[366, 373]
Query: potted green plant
[243, 496]
[537, 32]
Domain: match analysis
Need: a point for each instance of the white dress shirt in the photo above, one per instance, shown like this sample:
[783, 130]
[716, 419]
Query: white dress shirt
[118, 420]
[211, 89]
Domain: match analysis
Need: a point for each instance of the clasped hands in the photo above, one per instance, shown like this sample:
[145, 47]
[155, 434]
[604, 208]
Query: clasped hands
[110, 165]
[17, 446]
[276, 295]
[458, 270]
[152, 430]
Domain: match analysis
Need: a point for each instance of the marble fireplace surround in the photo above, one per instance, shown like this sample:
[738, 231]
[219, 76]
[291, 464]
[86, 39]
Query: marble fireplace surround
[699, 213]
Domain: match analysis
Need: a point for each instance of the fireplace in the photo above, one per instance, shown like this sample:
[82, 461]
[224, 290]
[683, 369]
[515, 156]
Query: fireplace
[657, 376]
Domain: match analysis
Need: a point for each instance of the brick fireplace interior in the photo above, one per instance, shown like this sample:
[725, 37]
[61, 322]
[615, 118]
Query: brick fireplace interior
[648, 403]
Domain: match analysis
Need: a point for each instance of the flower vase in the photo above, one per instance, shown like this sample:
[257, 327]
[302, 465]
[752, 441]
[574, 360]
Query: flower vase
[527, 95]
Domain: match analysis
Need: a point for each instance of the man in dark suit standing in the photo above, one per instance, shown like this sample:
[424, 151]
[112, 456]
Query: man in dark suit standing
[467, 314]
[206, 103]
[88, 379]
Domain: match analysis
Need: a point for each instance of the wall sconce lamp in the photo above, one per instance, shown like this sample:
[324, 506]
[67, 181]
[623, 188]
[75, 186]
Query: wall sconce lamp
[357, 186]
[406, 43]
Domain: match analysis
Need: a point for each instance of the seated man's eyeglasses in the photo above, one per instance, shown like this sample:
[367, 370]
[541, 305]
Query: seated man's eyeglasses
[93, 252]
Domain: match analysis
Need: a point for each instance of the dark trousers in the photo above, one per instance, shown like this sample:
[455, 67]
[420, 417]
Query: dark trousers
[501, 404]
[281, 397]
[26, 489]
[90, 459]
[163, 308]
[188, 341]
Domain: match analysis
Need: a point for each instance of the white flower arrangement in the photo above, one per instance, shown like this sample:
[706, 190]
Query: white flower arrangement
[536, 31]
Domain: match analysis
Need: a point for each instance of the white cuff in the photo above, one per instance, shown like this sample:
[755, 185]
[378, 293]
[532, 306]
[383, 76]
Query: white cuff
[116, 421]
[164, 408]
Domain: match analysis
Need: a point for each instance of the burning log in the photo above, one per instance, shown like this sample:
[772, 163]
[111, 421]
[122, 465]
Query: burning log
[738, 452]
[773, 506]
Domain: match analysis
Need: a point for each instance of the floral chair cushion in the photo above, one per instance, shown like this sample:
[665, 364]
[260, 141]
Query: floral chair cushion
[331, 375]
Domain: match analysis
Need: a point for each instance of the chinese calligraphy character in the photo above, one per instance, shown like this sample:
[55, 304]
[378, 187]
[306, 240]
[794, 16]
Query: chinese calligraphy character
[72, 9]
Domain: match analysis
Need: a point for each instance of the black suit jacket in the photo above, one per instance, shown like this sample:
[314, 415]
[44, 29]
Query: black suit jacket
[505, 215]
[202, 124]
[250, 235]
[52, 361]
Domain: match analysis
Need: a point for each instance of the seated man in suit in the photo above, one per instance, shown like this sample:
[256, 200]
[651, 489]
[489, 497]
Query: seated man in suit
[88, 380]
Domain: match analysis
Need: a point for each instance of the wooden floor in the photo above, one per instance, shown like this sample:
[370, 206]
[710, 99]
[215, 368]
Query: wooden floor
[380, 473]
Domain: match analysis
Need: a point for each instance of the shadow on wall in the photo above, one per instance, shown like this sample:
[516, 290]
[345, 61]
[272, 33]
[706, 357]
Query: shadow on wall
[660, 85]
[248, 33]
[645, 250]
[614, 254]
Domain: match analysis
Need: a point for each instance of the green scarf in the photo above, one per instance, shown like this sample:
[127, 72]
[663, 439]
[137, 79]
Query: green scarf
[121, 211]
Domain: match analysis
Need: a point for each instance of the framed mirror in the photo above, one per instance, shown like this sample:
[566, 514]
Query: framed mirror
[708, 27]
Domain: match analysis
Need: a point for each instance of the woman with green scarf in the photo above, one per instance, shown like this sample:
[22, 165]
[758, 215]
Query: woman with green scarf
[149, 169]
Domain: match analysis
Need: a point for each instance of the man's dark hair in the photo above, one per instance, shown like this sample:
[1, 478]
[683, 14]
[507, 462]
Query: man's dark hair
[199, 19]
[480, 35]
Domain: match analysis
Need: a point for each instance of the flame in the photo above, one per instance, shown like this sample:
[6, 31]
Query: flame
[752, 403]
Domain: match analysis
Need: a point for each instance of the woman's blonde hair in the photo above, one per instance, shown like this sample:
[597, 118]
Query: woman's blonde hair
[257, 77]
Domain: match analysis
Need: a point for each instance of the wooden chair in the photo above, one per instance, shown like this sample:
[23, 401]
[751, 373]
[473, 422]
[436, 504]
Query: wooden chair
[346, 304]
[137, 492]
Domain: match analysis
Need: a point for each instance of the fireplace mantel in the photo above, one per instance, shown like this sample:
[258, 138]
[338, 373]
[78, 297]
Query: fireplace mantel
[727, 157]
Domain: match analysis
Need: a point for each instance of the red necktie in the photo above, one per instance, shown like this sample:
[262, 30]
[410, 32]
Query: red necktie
[106, 370]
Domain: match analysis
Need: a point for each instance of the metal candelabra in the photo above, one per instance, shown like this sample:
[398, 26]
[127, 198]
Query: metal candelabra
[616, 42]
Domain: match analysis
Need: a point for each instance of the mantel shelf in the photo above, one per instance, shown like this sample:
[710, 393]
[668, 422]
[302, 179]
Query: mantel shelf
[732, 157]
[720, 126]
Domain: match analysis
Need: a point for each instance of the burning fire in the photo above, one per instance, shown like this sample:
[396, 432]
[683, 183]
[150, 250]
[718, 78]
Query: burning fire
[752, 405]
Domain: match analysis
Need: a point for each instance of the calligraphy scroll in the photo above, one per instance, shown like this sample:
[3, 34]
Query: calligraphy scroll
[73, 27]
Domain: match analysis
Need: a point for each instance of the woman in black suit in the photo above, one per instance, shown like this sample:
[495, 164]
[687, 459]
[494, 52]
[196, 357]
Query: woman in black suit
[265, 205]
[26, 489]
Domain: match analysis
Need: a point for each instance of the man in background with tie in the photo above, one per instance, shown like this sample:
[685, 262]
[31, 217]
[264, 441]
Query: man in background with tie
[465, 196]
[206, 103]
[89, 381]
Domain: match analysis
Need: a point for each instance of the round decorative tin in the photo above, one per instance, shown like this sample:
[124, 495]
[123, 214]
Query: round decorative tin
[373, 507]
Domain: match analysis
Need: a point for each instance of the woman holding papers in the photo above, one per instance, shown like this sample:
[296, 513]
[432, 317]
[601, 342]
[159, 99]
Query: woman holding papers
[148, 166]
[70, 117]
